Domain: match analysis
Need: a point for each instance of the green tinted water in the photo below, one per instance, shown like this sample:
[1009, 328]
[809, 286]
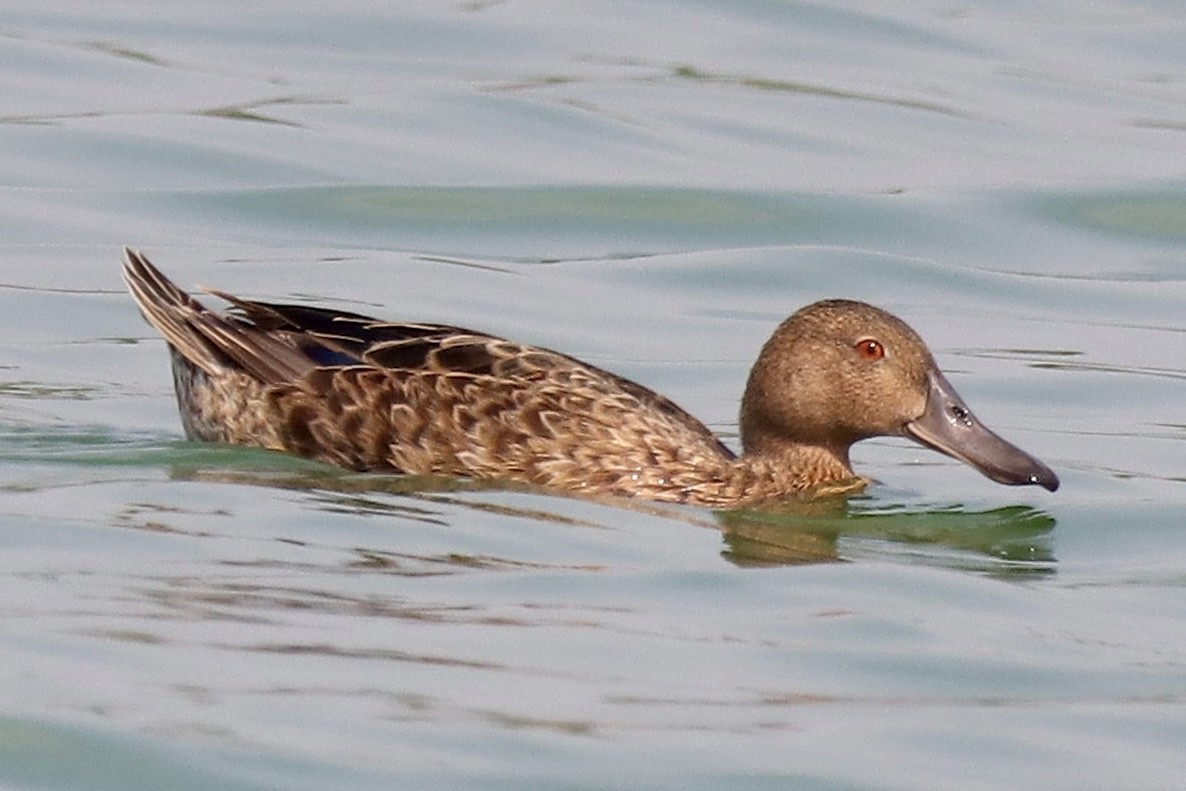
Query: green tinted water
[653, 188]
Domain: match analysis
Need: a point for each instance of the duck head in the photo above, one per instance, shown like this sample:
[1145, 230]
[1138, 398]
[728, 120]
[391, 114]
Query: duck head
[839, 371]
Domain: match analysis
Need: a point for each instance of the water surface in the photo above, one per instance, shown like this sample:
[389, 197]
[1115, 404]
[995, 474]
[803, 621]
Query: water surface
[652, 186]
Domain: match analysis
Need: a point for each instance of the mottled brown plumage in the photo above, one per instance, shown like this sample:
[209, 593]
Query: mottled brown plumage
[428, 399]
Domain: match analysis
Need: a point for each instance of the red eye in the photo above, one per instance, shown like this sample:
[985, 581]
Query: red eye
[870, 349]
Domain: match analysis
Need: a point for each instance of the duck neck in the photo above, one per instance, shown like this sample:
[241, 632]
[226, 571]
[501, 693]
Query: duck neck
[813, 462]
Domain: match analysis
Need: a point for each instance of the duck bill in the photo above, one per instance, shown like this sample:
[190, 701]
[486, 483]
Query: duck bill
[948, 426]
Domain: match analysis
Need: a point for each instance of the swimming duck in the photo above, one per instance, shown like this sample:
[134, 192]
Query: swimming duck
[427, 399]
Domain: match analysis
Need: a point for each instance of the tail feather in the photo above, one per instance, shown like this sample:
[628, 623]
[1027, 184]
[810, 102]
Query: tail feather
[206, 339]
[173, 312]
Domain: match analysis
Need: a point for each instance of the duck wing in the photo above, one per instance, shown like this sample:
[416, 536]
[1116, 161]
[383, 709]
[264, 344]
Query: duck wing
[340, 339]
[320, 351]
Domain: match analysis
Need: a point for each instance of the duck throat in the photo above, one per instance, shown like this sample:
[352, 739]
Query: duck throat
[798, 466]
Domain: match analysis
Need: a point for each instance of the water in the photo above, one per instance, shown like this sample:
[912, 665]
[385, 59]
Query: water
[651, 186]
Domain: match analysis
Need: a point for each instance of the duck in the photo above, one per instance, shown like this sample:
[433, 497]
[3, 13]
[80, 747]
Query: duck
[437, 400]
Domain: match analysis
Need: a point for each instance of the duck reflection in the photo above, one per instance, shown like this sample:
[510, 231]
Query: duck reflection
[1010, 541]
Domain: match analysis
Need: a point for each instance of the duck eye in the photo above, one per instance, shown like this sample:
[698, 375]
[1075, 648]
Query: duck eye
[870, 349]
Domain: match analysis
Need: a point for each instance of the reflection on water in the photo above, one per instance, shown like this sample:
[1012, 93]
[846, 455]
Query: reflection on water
[1011, 541]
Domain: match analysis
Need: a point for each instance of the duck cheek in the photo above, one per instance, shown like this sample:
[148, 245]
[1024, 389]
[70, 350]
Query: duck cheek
[948, 426]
